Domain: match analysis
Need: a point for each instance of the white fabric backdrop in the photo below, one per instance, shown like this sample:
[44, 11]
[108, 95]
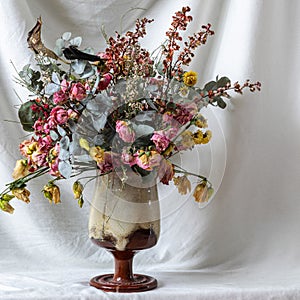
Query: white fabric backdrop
[245, 244]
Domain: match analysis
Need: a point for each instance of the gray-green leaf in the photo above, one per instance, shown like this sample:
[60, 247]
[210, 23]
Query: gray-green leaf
[65, 168]
[66, 36]
[51, 88]
[76, 41]
[78, 66]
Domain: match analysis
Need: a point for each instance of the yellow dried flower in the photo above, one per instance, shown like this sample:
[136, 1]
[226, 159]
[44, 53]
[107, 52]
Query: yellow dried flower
[5, 206]
[22, 194]
[97, 154]
[32, 148]
[77, 189]
[21, 169]
[198, 137]
[183, 184]
[80, 202]
[190, 78]
[84, 144]
[202, 192]
[201, 122]
[52, 193]
[206, 137]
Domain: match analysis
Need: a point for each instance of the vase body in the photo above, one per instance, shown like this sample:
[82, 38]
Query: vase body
[124, 218]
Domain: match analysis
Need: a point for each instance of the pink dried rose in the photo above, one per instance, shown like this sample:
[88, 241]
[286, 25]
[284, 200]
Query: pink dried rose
[31, 150]
[45, 143]
[60, 97]
[58, 116]
[64, 86]
[39, 158]
[47, 128]
[73, 114]
[77, 91]
[147, 160]
[39, 126]
[105, 81]
[128, 159]
[106, 165]
[125, 131]
[160, 140]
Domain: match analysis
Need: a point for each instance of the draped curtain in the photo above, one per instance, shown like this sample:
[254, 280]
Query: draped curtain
[245, 243]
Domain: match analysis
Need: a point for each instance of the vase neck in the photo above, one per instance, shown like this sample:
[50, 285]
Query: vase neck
[123, 265]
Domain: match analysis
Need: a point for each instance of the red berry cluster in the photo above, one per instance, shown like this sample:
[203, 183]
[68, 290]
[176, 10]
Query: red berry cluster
[125, 56]
[180, 22]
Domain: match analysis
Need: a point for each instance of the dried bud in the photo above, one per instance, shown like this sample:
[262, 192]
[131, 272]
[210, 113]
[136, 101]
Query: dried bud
[84, 144]
[22, 194]
[52, 193]
[80, 202]
[21, 169]
[202, 192]
[183, 184]
[77, 189]
[5, 206]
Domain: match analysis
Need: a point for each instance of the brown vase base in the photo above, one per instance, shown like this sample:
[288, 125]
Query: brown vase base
[140, 283]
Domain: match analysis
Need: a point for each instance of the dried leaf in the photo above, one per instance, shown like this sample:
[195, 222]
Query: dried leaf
[35, 43]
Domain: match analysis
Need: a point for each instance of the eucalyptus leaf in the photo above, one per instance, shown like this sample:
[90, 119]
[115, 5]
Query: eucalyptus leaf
[94, 106]
[159, 68]
[27, 116]
[145, 116]
[212, 85]
[99, 122]
[76, 41]
[89, 50]
[221, 103]
[53, 135]
[60, 43]
[58, 51]
[78, 66]
[66, 36]
[151, 104]
[63, 154]
[223, 81]
[61, 131]
[88, 71]
[65, 169]
[51, 88]
[151, 88]
[55, 78]
[84, 158]
[142, 129]
[64, 142]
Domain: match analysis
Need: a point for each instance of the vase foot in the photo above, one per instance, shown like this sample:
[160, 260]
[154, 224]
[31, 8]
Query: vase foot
[140, 283]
